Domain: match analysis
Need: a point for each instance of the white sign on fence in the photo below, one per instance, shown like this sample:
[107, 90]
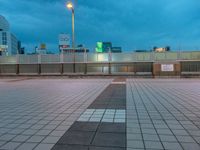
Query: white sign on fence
[167, 67]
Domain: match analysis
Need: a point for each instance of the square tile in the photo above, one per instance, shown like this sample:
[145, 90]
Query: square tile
[186, 139]
[29, 132]
[84, 126]
[83, 119]
[112, 127]
[2, 142]
[134, 136]
[180, 132]
[10, 145]
[107, 120]
[27, 146]
[58, 133]
[191, 146]
[172, 146]
[44, 146]
[77, 137]
[95, 119]
[110, 139]
[7, 137]
[35, 139]
[69, 147]
[21, 138]
[119, 120]
[105, 148]
[150, 137]
[168, 138]
[51, 140]
[153, 145]
[16, 131]
[135, 144]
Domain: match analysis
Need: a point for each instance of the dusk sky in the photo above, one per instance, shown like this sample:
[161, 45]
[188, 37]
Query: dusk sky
[132, 24]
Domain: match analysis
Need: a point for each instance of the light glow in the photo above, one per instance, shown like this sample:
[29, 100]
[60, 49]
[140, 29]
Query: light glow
[69, 5]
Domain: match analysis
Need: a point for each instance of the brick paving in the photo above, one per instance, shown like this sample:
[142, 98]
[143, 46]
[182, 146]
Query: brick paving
[161, 114]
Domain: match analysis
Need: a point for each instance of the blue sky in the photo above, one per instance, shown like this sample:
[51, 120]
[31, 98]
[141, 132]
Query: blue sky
[132, 24]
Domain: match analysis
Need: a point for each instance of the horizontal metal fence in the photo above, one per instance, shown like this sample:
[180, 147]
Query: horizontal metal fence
[99, 57]
[139, 64]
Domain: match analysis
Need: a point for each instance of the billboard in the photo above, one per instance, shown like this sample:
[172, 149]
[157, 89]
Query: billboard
[99, 47]
[64, 41]
[103, 47]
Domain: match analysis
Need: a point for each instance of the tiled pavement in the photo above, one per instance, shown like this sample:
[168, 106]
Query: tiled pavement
[163, 114]
[41, 114]
[34, 114]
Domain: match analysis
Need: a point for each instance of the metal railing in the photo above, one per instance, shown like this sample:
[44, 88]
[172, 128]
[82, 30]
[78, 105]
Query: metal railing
[100, 57]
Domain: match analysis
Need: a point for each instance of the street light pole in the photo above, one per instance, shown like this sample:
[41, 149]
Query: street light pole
[73, 34]
[70, 6]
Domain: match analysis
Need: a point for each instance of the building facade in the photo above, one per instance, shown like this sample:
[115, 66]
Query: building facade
[8, 41]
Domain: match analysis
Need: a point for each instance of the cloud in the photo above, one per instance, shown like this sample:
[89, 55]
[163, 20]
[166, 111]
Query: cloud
[130, 24]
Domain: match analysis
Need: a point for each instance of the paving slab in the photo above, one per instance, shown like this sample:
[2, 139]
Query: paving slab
[116, 114]
[35, 113]
[167, 113]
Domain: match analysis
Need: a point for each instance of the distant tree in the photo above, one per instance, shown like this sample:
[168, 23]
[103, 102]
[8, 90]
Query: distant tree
[154, 48]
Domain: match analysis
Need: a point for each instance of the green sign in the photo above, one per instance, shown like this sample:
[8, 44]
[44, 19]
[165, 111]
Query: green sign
[99, 47]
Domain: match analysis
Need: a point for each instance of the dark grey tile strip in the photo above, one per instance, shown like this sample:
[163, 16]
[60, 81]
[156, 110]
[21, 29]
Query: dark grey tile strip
[113, 97]
[98, 135]
[87, 135]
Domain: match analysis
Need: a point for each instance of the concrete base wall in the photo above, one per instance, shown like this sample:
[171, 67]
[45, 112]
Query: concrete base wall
[8, 69]
[98, 68]
[50, 69]
[29, 69]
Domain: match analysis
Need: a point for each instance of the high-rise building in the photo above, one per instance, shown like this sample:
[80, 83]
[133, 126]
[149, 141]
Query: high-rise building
[8, 41]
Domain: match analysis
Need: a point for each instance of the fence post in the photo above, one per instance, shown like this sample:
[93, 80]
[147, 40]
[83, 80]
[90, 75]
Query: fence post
[39, 64]
[17, 64]
[109, 62]
[62, 62]
[85, 61]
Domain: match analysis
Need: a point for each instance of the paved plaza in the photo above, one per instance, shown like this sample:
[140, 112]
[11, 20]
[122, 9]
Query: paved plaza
[99, 114]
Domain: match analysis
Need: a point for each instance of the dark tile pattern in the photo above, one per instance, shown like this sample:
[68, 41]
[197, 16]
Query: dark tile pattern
[120, 79]
[93, 136]
[113, 97]
[98, 135]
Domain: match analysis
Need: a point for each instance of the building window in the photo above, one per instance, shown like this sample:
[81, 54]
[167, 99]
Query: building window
[4, 38]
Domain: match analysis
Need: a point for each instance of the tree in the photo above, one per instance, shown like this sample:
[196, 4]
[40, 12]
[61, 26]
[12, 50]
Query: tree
[168, 48]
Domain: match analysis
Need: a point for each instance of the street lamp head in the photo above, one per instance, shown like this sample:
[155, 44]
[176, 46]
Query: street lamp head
[70, 5]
